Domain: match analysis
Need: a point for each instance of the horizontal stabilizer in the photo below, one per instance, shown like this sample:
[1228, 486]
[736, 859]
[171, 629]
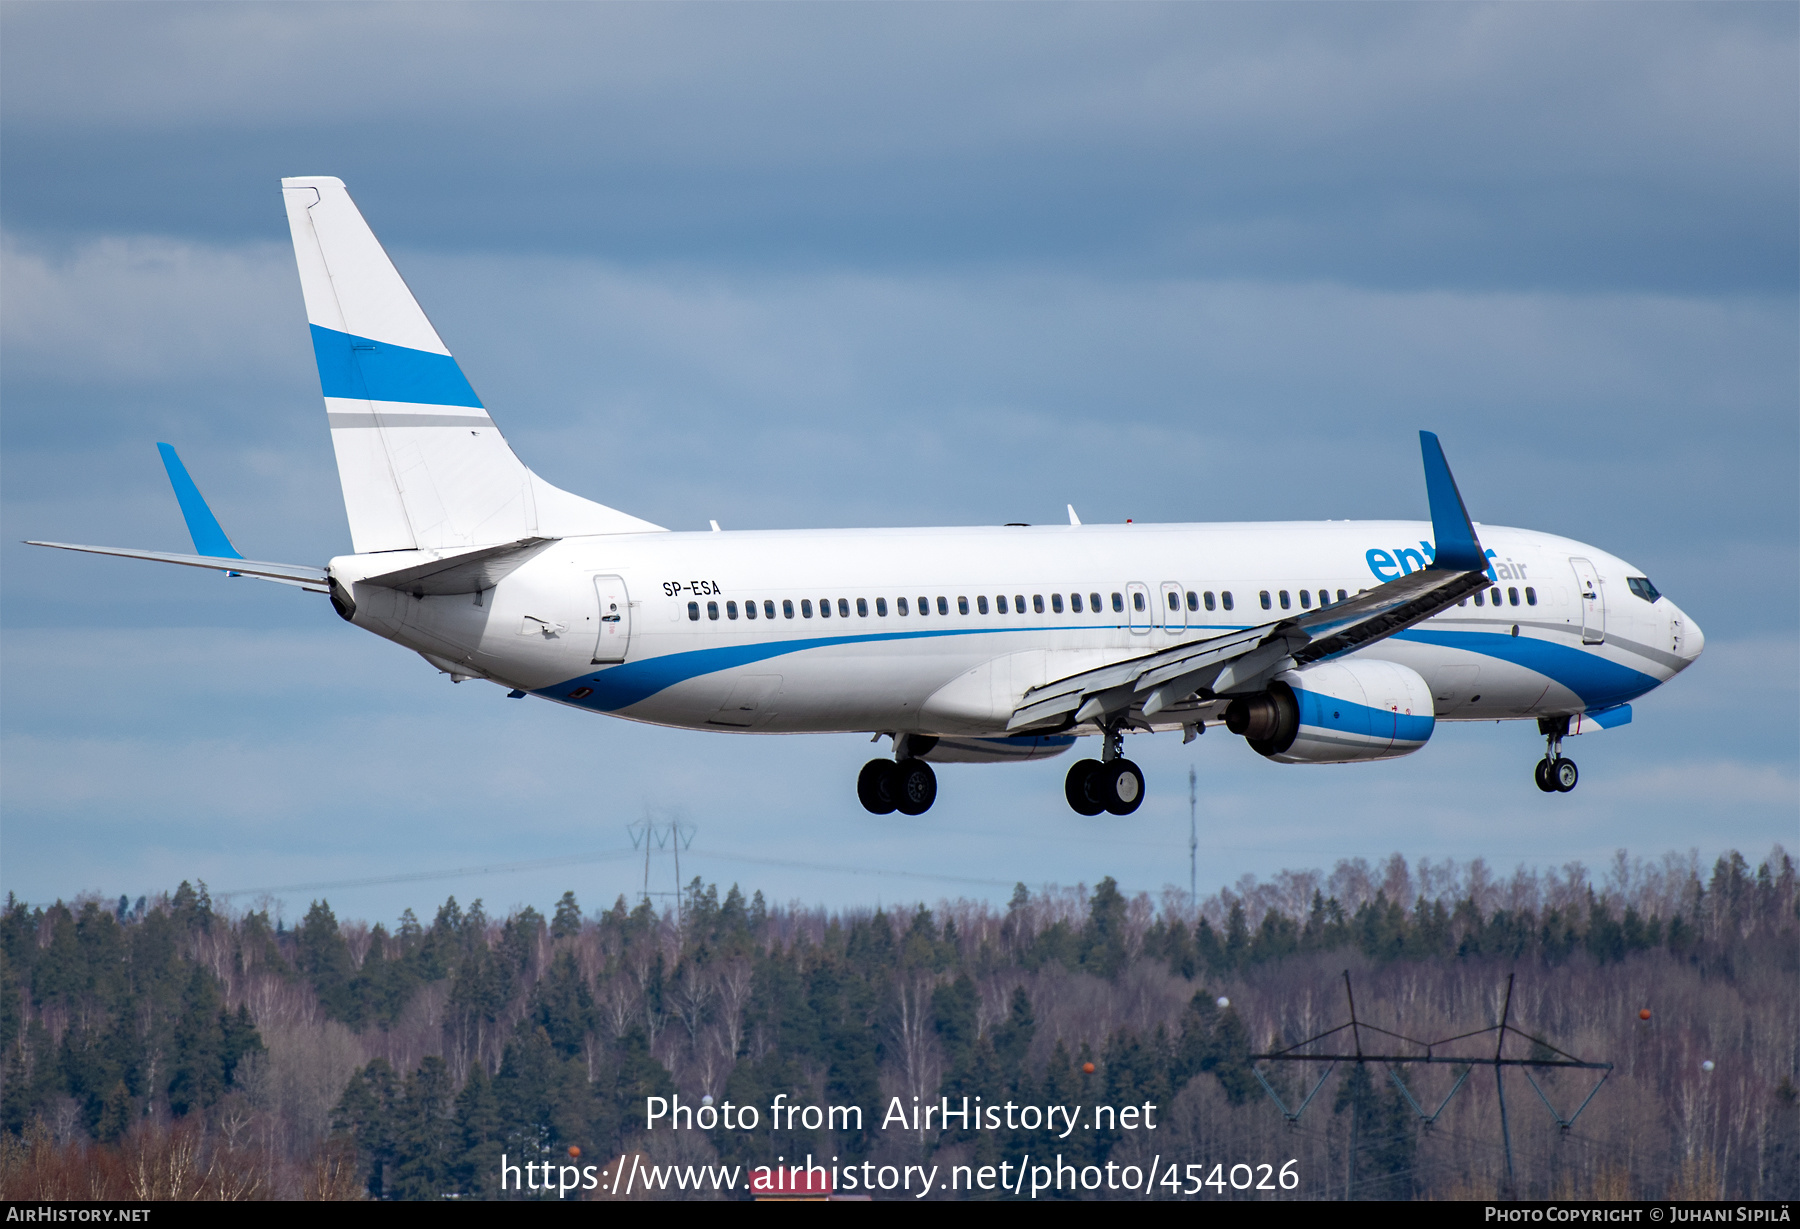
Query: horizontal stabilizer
[467, 572]
[311, 579]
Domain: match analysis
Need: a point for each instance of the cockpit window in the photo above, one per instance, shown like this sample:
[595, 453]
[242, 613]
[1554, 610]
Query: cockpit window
[1641, 586]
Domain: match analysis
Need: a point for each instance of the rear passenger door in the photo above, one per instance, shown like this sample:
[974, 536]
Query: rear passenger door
[615, 620]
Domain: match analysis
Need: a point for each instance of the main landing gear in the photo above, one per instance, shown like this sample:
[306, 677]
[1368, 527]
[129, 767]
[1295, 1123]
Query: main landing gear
[1554, 774]
[907, 786]
[1112, 784]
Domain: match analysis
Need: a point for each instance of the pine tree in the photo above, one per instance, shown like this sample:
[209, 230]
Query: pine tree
[477, 1170]
[364, 1115]
[426, 1139]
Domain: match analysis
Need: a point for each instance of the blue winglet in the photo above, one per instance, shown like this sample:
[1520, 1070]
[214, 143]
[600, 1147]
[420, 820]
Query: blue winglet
[203, 526]
[1458, 550]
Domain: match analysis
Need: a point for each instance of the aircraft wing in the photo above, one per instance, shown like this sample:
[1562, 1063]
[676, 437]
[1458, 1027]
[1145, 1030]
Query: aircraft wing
[313, 580]
[1244, 661]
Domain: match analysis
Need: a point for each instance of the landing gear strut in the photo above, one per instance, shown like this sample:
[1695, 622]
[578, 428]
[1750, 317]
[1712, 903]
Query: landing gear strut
[1554, 774]
[1111, 784]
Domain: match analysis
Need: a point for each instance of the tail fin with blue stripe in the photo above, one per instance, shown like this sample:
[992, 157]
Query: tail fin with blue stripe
[421, 462]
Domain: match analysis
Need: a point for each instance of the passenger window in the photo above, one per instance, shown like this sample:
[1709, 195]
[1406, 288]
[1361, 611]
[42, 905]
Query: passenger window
[1056, 603]
[900, 606]
[1512, 597]
[962, 605]
[1530, 596]
[787, 608]
[1478, 594]
[944, 606]
[806, 608]
[1464, 602]
[1305, 599]
[1075, 602]
[1342, 596]
[731, 611]
[1494, 595]
[712, 611]
[1267, 604]
[981, 606]
[881, 607]
[1000, 602]
[1018, 603]
[1037, 602]
[1137, 601]
[1225, 599]
[694, 611]
[862, 607]
[768, 608]
[1284, 599]
[749, 610]
[924, 607]
[1209, 599]
[824, 608]
[1193, 600]
[1174, 600]
[1324, 598]
[1118, 603]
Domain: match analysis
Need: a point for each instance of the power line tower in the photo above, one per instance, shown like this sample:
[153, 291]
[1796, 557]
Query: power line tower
[668, 836]
[1462, 1052]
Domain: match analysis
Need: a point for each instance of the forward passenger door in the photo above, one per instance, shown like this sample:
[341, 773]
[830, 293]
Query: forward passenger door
[1592, 601]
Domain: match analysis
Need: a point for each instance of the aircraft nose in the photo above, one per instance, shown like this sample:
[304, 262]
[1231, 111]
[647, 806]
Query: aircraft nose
[1689, 639]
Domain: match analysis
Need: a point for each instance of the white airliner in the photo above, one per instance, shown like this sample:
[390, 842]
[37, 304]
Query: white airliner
[1319, 643]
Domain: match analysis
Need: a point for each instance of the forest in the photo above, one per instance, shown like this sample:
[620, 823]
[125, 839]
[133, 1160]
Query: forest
[171, 1048]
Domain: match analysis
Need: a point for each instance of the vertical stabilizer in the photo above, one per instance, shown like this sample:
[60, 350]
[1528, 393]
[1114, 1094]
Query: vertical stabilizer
[422, 464]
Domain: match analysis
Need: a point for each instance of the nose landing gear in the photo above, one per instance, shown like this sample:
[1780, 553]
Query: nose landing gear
[1554, 774]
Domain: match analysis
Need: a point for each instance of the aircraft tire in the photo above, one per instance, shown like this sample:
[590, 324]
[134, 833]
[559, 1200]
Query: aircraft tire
[915, 787]
[1541, 774]
[1120, 786]
[1565, 775]
[877, 787]
[1078, 788]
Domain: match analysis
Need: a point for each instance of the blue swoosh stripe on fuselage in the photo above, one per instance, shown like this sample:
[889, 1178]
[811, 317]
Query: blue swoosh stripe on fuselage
[1598, 681]
[628, 684]
[624, 685]
[361, 369]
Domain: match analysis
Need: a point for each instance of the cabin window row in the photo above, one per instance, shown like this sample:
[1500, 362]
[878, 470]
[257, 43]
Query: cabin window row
[1493, 596]
[1075, 603]
[1306, 598]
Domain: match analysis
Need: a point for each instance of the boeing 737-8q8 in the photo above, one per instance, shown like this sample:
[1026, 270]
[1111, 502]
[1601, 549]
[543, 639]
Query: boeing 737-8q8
[1319, 643]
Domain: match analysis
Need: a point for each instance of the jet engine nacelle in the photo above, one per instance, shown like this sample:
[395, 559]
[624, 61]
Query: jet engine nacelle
[1336, 712]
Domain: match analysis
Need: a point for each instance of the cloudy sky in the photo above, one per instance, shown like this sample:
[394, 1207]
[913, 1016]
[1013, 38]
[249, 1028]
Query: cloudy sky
[787, 265]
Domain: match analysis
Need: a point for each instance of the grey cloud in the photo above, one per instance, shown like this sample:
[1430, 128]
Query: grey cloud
[1597, 146]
